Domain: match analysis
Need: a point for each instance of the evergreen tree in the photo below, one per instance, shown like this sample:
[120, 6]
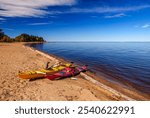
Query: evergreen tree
[21, 38]
[28, 38]
[6, 38]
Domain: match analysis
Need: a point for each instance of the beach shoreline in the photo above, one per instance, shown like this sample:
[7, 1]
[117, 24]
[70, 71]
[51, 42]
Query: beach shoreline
[20, 57]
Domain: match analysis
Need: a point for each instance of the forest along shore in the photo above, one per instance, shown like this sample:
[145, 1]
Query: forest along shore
[15, 57]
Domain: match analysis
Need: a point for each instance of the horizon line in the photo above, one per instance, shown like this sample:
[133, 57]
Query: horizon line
[98, 41]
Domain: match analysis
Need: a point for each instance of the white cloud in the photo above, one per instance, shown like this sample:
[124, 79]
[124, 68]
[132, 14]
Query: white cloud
[36, 8]
[28, 8]
[146, 26]
[40, 23]
[2, 19]
[142, 26]
[108, 9]
[116, 15]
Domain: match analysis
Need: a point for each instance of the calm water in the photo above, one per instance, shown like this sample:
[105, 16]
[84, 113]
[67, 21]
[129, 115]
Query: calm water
[125, 63]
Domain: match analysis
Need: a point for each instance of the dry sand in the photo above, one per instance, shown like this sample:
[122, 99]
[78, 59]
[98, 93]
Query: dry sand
[15, 57]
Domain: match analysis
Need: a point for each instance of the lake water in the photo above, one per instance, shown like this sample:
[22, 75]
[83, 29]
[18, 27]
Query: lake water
[127, 64]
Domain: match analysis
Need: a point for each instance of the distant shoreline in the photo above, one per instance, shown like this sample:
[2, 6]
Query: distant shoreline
[96, 42]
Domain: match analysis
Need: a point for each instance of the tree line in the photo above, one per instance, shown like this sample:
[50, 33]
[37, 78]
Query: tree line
[21, 38]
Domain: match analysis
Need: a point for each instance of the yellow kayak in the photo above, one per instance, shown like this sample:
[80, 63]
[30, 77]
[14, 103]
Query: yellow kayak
[41, 73]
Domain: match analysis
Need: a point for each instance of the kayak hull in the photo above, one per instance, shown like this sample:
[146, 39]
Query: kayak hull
[41, 73]
[24, 76]
[66, 72]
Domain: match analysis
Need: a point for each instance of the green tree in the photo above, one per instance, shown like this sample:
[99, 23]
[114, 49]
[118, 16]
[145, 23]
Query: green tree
[28, 38]
[6, 38]
[21, 38]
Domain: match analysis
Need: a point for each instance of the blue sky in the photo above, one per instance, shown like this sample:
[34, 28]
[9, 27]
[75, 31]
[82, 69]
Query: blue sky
[77, 20]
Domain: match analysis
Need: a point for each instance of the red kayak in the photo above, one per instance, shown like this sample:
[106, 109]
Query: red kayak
[66, 72]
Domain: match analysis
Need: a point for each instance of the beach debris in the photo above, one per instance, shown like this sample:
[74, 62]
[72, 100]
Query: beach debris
[115, 92]
[57, 64]
[47, 64]
[73, 78]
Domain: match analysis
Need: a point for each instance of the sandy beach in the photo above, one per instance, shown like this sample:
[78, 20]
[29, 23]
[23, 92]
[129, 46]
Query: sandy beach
[15, 58]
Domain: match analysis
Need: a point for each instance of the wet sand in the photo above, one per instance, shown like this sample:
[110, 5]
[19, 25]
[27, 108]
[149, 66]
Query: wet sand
[15, 57]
